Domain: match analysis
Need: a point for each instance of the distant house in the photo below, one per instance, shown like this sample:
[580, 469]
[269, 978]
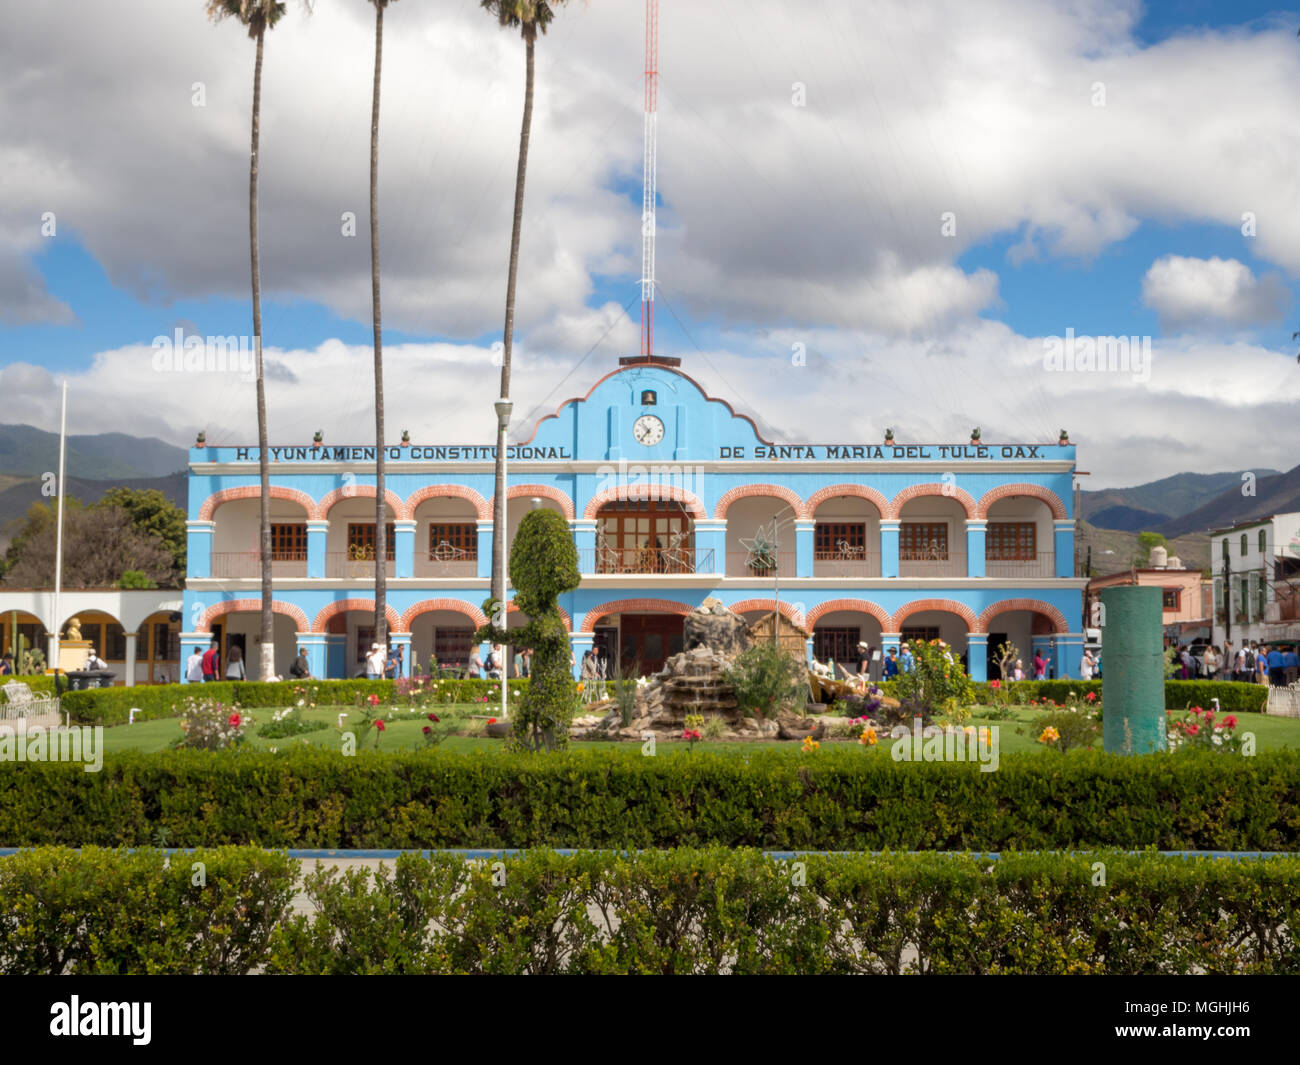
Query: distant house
[1185, 594]
[1257, 579]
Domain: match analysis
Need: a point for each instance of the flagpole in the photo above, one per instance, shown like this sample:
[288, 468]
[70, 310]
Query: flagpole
[58, 535]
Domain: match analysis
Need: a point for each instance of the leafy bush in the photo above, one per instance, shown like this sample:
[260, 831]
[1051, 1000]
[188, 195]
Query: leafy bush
[775, 799]
[937, 683]
[211, 726]
[768, 679]
[128, 912]
[288, 722]
[1198, 730]
[1067, 729]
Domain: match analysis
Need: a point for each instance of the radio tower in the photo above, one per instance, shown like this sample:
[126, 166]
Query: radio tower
[648, 177]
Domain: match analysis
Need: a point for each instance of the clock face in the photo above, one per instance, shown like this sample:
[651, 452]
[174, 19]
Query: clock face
[648, 430]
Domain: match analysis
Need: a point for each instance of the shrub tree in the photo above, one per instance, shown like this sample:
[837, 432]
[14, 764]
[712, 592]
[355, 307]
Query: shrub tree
[767, 680]
[543, 566]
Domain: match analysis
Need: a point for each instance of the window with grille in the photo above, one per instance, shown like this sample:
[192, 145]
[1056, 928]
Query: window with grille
[1263, 541]
[918, 541]
[1172, 597]
[839, 539]
[114, 642]
[166, 642]
[289, 542]
[1011, 541]
[454, 540]
[836, 644]
[1243, 543]
[920, 632]
[644, 536]
[361, 540]
[451, 646]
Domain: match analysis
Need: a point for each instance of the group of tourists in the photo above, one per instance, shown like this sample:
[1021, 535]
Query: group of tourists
[491, 667]
[1251, 663]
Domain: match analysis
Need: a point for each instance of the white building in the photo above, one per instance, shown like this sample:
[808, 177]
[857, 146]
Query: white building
[1258, 564]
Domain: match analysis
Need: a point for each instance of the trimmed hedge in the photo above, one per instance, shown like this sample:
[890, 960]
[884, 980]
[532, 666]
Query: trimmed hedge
[118, 912]
[1234, 698]
[724, 911]
[708, 911]
[111, 706]
[772, 799]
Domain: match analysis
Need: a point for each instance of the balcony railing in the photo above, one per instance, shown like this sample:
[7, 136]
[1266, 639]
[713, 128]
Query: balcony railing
[665, 560]
[846, 562]
[740, 564]
[345, 564]
[932, 564]
[1042, 564]
[249, 564]
[447, 562]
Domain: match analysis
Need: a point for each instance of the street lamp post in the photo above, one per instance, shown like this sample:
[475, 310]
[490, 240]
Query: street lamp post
[503, 407]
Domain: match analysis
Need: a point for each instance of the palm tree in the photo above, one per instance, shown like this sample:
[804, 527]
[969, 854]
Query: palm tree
[258, 16]
[381, 509]
[530, 17]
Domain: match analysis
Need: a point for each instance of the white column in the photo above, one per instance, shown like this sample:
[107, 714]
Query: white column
[130, 659]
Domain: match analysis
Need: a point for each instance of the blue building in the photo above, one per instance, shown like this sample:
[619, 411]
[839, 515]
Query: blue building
[672, 497]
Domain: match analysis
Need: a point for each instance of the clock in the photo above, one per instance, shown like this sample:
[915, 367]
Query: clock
[648, 430]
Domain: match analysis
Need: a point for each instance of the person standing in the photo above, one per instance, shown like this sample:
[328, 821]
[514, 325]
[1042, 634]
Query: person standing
[301, 668]
[1276, 667]
[864, 658]
[194, 667]
[906, 662]
[1040, 665]
[1211, 663]
[375, 662]
[235, 667]
[211, 662]
[1291, 664]
[891, 665]
[1086, 665]
[475, 667]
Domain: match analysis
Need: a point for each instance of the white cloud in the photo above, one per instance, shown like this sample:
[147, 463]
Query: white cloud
[1188, 292]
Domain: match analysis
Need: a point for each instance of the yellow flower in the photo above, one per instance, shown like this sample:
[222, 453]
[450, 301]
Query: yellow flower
[1050, 735]
[868, 737]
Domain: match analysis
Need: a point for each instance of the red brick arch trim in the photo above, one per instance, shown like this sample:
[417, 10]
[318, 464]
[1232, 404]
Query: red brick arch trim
[771, 491]
[1059, 624]
[646, 490]
[568, 621]
[543, 491]
[948, 491]
[950, 606]
[251, 606]
[1006, 491]
[788, 610]
[630, 606]
[482, 508]
[860, 490]
[342, 606]
[425, 606]
[253, 491]
[861, 606]
[361, 491]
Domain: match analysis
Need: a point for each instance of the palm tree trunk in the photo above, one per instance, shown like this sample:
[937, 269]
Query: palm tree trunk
[499, 500]
[267, 658]
[381, 524]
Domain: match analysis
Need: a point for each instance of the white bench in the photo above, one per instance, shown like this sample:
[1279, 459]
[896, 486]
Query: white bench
[23, 704]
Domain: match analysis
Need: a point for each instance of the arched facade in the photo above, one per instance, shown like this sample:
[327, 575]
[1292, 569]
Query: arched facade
[482, 508]
[253, 606]
[773, 491]
[632, 606]
[675, 493]
[342, 606]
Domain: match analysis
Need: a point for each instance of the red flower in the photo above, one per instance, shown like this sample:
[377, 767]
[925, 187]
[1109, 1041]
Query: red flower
[1230, 721]
[492, 721]
[235, 719]
[380, 724]
[427, 730]
[1195, 711]
[373, 700]
[433, 717]
[995, 684]
[1092, 697]
[1192, 730]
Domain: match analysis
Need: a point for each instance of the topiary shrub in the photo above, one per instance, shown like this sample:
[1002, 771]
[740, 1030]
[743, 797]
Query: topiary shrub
[543, 566]
[936, 679]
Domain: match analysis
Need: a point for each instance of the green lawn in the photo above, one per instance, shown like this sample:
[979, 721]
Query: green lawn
[404, 733]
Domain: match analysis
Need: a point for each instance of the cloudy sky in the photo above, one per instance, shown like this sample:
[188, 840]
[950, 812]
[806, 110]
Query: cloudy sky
[871, 214]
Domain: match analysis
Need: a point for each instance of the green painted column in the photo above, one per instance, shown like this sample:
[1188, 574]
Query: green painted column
[1133, 670]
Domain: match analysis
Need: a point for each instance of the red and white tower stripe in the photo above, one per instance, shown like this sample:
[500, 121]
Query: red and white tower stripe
[648, 177]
